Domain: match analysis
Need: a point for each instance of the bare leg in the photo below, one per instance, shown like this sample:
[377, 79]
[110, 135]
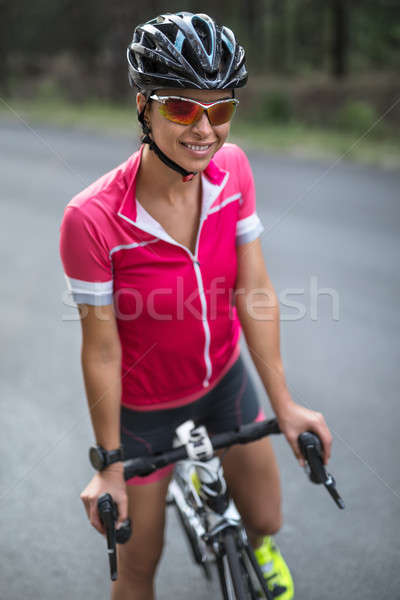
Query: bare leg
[139, 557]
[252, 475]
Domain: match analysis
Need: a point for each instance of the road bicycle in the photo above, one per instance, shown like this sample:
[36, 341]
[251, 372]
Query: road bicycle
[209, 518]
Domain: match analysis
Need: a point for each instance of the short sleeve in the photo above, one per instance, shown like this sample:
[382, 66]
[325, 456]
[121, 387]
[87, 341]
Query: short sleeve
[248, 226]
[86, 261]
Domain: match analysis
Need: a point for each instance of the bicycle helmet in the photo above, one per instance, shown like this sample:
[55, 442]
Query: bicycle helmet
[183, 50]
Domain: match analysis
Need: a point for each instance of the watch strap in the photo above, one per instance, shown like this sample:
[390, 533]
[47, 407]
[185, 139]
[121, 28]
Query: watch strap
[113, 456]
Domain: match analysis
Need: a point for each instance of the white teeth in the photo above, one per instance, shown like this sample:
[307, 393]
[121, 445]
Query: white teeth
[198, 148]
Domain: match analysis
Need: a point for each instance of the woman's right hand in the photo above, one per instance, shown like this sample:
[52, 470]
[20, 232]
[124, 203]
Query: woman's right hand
[111, 481]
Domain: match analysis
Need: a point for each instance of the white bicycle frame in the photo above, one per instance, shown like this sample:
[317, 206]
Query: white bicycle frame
[195, 504]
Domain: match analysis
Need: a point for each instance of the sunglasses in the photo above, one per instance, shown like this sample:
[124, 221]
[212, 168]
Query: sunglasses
[186, 111]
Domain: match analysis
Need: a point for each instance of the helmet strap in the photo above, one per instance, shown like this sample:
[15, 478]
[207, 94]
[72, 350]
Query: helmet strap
[186, 175]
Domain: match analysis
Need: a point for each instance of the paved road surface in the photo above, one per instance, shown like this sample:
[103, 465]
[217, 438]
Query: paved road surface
[328, 228]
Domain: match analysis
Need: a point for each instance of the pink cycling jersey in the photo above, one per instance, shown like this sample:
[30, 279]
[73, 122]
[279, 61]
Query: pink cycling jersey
[178, 327]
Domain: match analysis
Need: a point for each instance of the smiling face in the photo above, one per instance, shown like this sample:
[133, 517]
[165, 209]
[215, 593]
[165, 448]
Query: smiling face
[191, 146]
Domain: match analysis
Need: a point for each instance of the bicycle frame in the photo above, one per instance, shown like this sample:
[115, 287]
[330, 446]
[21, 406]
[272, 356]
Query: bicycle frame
[207, 514]
[209, 517]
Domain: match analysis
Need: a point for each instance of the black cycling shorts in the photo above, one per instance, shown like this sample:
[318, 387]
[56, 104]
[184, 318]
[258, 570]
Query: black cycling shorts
[231, 403]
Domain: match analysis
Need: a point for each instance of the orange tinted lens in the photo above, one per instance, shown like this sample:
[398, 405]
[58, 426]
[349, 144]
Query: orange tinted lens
[180, 111]
[221, 113]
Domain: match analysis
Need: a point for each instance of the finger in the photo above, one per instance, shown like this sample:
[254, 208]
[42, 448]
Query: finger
[301, 460]
[85, 504]
[326, 440]
[296, 450]
[327, 444]
[300, 457]
[94, 517]
[122, 509]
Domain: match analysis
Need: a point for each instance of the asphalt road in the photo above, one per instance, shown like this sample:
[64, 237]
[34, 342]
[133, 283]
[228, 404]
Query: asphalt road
[330, 228]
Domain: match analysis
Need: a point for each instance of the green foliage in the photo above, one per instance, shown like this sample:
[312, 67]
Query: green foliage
[49, 91]
[274, 107]
[356, 116]
[283, 37]
[375, 34]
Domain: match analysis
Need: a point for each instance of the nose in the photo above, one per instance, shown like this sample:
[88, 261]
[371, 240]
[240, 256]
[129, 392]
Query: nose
[203, 126]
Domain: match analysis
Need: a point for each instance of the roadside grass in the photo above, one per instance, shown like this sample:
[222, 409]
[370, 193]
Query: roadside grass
[312, 142]
[379, 146]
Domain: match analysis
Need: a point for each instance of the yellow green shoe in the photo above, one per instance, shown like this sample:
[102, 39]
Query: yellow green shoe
[275, 570]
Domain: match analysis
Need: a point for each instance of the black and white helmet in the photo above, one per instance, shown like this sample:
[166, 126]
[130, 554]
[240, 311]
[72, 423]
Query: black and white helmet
[185, 50]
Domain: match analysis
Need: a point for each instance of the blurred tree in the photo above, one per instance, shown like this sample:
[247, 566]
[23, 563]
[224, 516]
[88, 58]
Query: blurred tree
[298, 32]
[280, 31]
[340, 37]
[38, 27]
[255, 27]
[5, 22]
[282, 36]
[84, 30]
[123, 16]
[376, 34]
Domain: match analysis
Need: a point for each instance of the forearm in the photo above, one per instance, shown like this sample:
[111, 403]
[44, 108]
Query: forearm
[259, 318]
[103, 391]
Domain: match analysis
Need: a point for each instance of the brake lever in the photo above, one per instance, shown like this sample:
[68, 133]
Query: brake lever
[311, 449]
[108, 513]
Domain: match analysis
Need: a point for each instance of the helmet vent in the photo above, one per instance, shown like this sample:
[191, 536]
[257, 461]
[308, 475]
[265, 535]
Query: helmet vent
[148, 42]
[168, 30]
[203, 31]
[187, 52]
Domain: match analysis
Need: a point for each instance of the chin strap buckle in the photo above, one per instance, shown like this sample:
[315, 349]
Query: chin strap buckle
[188, 177]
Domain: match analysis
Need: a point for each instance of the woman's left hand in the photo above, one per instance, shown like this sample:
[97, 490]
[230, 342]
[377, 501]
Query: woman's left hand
[294, 419]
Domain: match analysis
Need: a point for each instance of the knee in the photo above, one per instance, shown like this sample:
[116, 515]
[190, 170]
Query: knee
[138, 569]
[265, 523]
[138, 565]
[136, 576]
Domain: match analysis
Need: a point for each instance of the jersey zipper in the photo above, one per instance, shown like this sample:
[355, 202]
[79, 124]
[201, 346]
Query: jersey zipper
[200, 287]
[196, 265]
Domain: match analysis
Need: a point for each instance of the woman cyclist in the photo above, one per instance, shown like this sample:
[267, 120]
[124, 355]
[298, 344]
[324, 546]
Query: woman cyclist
[163, 257]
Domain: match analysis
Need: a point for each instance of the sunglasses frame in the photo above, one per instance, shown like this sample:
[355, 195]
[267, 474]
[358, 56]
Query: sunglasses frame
[204, 105]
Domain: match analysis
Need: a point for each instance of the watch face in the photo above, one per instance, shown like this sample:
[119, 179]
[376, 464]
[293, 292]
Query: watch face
[96, 458]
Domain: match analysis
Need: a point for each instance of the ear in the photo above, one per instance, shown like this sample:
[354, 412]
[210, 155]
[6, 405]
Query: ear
[140, 101]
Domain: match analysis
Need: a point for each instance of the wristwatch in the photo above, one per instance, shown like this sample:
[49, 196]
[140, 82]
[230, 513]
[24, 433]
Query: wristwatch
[101, 458]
